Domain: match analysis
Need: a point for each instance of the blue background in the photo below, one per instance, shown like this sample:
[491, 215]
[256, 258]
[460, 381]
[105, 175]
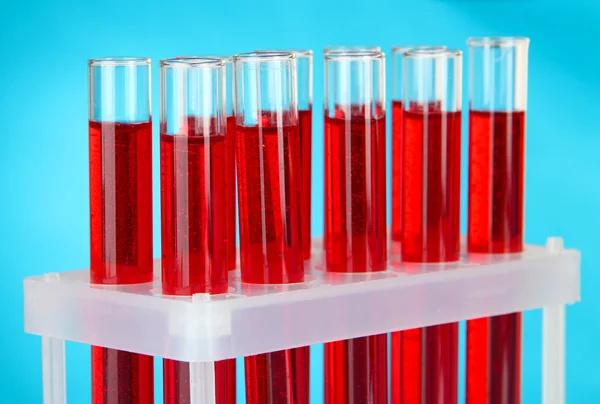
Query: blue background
[44, 169]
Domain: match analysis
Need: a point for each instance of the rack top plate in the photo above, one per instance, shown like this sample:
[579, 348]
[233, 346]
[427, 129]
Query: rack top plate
[252, 319]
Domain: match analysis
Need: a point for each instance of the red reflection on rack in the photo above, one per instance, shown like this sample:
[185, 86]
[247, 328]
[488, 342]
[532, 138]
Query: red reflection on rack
[121, 245]
[193, 208]
[496, 175]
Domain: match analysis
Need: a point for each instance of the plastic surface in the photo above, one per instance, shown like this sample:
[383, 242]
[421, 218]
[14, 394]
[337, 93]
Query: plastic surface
[253, 319]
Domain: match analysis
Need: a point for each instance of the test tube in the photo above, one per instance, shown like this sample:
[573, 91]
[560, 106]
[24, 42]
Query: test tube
[498, 101]
[194, 167]
[120, 147]
[268, 167]
[397, 113]
[304, 65]
[355, 210]
[427, 362]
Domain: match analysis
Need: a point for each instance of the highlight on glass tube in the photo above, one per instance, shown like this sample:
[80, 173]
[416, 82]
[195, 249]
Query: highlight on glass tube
[352, 48]
[268, 167]
[498, 104]
[355, 210]
[425, 360]
[304, 65]
[397, 114]
[120, 150]
[194, 167]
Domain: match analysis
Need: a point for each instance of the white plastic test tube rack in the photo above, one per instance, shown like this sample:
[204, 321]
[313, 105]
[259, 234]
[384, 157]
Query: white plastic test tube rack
[255, 319]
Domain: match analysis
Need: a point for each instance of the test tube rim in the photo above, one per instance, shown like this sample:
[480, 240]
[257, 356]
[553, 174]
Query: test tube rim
[225, 59]
[120, 61]
[401, 50]
[264, 57]
[498, 41]
[191, 62]
[432, 53]
[354, 55]
[343, 48]
[300, 53]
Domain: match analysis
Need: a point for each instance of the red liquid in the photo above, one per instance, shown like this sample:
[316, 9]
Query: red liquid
[121, 245]
[280, 377]
[425, 365]
[425, 361]
[356, 371]
[397, 114]
[268, 166]
[193, 192]
[268, 174]
[120, 377]
[355, 223]
[121, 202]
[355, 230]
[230, 194]
[431, 186]
[496, 176]
[193, 210]
[305, 128]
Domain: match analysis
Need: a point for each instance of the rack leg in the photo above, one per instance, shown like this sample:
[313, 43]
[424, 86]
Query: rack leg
[202, 383]
[53, 370]
[553, 361]
[553, 354]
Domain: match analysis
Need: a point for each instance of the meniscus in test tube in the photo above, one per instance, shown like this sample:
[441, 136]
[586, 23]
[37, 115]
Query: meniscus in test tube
[194, 168]
[498, 103]
[304, 65]
[427, 362]
[120, 142]
[355, 210]
[268, 167]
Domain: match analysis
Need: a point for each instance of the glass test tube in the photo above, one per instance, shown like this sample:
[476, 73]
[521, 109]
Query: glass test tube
[268, 167]
[498, 104]
[304, 64]
[194, 167]
[427, 362]
[120, 142]
[397, 113]
[355, 210]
